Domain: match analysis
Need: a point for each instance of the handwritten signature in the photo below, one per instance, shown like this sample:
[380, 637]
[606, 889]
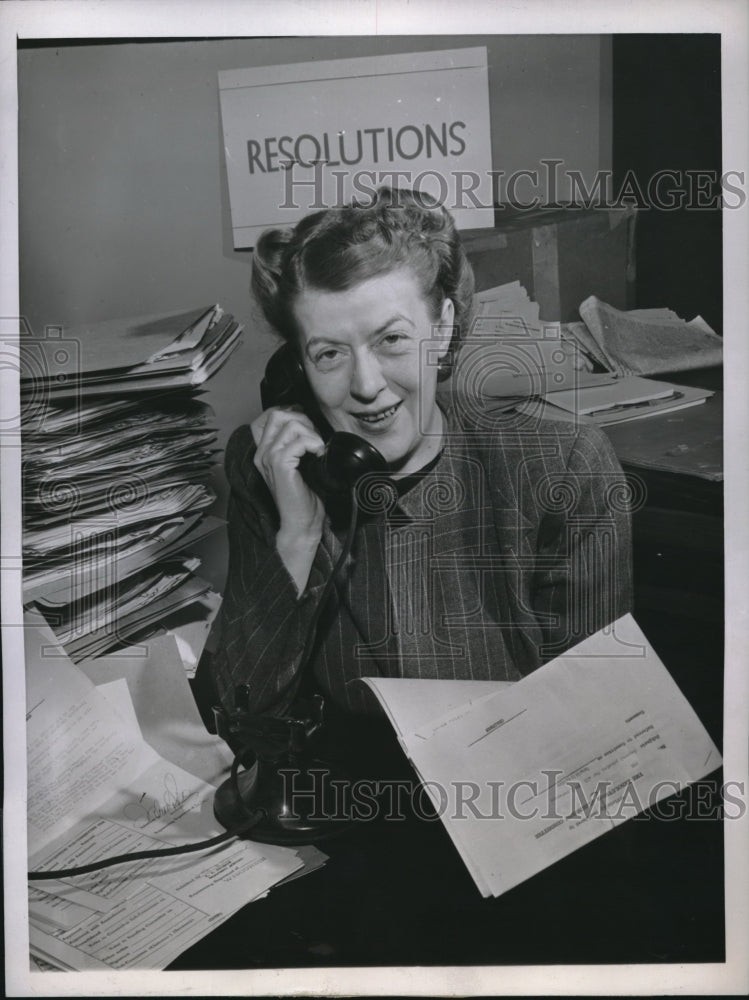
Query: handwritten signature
[152, 808]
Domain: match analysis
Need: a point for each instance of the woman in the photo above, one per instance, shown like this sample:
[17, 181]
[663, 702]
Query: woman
[505, 544]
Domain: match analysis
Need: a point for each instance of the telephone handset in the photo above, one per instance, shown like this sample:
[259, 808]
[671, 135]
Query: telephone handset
[347, 457]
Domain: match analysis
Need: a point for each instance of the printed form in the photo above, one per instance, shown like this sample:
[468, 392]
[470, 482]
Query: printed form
[524, 776]
[96, 789]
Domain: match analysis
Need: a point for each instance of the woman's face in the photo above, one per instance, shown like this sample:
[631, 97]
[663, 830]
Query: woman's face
[371, 355]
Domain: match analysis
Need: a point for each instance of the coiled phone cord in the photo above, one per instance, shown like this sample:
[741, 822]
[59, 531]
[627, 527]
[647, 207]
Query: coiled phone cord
[257, 815]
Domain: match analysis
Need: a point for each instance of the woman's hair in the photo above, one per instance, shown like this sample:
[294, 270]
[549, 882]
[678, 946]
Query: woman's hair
[338, 248]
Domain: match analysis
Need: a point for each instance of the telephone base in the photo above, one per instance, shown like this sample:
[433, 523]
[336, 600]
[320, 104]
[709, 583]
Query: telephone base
[301, 804]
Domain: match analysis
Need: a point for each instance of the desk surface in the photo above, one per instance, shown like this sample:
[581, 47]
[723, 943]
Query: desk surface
[397, 893]
[678, 540]
[685, 442]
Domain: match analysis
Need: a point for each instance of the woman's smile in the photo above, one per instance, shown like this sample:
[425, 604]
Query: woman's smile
[378, 420]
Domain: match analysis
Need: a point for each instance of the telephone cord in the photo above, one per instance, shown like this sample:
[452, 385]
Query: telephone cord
[257, 815]
[329, 583]
[160, 852]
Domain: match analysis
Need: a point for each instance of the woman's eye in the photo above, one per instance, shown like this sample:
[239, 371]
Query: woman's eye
[328, 358]
[394, 340]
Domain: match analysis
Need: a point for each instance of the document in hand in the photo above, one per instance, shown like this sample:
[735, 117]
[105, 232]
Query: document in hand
[525, 775]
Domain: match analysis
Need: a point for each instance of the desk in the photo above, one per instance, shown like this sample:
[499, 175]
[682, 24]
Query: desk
[400, 898]
[649, 891]
[397, 893]
[677, 541]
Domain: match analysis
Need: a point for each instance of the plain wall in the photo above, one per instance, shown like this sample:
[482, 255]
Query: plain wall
[124, 206]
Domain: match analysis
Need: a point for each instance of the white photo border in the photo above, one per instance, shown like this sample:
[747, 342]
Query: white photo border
[132, 19]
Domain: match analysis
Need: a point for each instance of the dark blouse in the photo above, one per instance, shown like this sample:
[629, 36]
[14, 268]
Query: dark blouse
[511, 547]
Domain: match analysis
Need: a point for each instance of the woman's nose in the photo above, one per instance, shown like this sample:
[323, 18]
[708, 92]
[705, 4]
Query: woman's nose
[367, 379]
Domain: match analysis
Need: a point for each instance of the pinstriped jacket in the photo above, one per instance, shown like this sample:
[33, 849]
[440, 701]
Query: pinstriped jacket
[513, 548]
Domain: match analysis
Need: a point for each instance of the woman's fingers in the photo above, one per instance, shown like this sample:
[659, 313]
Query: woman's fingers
[284, 437]
[271, 421]
[286, 448]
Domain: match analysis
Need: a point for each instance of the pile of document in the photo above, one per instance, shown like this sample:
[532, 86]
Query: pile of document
[510, 353]
[522, 774]
[605, 399]
[646, 341]
[154, 353]
[97, 788]
[589, 371]
[117, 453]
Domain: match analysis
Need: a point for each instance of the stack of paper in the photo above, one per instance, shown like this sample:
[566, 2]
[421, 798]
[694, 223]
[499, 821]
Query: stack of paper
[523, 774]
[97, 789]
[578, 371]
[150, 353]
[505, 309]
[606, 399]
[115, 473]
[650, 341]
[510, 352]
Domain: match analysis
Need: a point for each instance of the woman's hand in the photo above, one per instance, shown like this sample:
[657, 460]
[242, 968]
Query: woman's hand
[282, 437]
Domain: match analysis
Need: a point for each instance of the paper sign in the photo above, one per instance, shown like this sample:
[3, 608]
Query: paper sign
[309, 136]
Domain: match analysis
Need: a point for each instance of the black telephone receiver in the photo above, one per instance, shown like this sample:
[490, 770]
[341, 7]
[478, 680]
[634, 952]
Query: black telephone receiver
[347, 457]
